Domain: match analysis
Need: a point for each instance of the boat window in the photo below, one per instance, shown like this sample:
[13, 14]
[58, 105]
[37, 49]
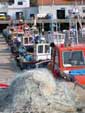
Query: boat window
[40, 49]
[20, 35]
[26, 40]
[47, 49]
[66, 57]
[73, 58]
[30, 39]
[30, 48]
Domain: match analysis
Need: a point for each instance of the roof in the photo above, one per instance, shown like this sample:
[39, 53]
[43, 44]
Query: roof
[72, 47]
[50, 2]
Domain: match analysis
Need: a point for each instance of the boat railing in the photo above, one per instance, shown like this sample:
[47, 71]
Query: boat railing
[41, 62]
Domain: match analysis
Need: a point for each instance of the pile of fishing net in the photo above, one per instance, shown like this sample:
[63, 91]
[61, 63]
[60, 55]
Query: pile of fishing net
[36, 91]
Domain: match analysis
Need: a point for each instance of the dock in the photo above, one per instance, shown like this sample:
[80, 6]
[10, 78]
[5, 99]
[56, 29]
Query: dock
[7, 66]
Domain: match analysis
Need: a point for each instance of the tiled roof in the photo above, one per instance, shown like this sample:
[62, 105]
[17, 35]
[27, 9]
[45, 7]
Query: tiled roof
[48, 2]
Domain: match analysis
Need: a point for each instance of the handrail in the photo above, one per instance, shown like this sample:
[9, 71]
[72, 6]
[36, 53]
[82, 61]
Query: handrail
[41, 62]
[41, 21]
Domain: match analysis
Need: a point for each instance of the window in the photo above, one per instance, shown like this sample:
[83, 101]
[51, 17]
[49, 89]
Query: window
[77, 55]
[83, 10]
[47, 49]
[20, 3]
[26, 40]
[73, 58]
[66, 57]
[20, 35]
[61, 14]
[30, 39]
[40, 49]
[30, 48]
[10, 2]
[19, 15]
[33, 2]
[32, 15]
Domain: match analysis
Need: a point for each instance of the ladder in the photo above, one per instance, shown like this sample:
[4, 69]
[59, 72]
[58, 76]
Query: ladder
[73, 34]
[73, 25]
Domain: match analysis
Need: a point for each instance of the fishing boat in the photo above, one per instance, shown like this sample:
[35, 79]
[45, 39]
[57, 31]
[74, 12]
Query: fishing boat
[30, 48]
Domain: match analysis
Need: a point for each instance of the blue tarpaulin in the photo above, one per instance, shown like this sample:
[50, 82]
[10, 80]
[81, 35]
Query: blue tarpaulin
[77, 72]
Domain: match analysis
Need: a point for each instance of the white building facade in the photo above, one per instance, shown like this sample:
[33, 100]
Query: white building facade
[18, 7]
[23, 7]
[3, 7]
[53, 9]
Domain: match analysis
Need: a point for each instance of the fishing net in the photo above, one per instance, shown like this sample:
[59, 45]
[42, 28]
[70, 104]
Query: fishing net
[36, 91]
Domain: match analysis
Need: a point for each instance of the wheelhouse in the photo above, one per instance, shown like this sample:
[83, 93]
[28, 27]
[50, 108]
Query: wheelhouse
[68, 58]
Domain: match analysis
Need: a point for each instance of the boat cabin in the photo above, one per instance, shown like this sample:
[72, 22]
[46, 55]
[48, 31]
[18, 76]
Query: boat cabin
[70, 60]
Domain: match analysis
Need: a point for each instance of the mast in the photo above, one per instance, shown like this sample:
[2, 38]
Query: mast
[82, 2]
[52, 13]
[77, 14]
[73, 28]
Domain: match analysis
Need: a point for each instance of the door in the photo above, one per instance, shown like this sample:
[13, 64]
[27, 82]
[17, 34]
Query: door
[19, 15]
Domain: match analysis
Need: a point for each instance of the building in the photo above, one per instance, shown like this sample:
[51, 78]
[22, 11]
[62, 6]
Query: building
[57, 8]
[60, 8]
[18, 8]
[3, 6]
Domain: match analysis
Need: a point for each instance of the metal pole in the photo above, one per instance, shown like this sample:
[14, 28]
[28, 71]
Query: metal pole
[82, 2]
[42, 4]
[42, 21]
[52, 14]
[76, 33]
